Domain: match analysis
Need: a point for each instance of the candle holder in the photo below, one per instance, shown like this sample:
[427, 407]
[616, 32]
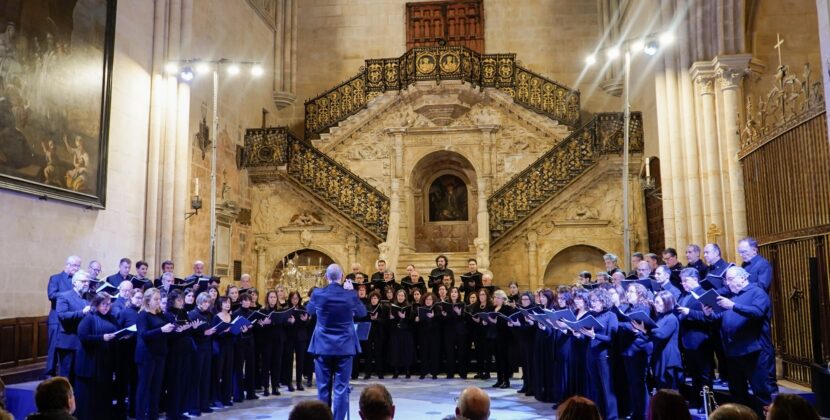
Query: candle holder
[647, 183]
[195, 204]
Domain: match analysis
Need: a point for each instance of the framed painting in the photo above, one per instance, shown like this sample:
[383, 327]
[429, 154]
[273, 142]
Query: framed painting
[55, 88]
[447, 199]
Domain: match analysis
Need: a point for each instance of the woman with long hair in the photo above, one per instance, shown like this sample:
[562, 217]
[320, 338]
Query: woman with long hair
[297, 338]
[378, 315]
[600, 344]
[666, 363]
[543, 351]
[223, 348]
[272, 346]
[429, 335]
[455, 335]
[182, 352]
[635, 348]
[96, 361]
[401, 340]
[502, 339]
[483, 340]
[152, 331]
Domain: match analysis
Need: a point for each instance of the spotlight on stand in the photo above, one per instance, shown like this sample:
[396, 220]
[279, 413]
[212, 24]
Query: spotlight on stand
[590, 60]
[186, 74]
[650, 48]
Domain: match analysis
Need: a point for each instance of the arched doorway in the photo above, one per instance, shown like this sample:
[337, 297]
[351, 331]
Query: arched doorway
[564, 267]
[300, 270]
[444, 203]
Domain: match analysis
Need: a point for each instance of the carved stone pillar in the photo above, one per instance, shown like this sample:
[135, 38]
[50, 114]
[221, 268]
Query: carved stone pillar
[824, 45]
[261, 275]
[532, 260]
[730, 71]
[285, 53]
[391, 248]
[351, 249]
[664, 146]
[704, 76]
[482, 242]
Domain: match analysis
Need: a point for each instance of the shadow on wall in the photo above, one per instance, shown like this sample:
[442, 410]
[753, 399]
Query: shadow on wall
[565, 266]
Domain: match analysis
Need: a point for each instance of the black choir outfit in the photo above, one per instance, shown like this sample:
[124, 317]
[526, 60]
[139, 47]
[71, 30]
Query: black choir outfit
[95, 366]
[454, 340]
[223, 359]
[429, 341]
[373, 348]
[150, 355]
[181, 352]
[598, 369]
[297, 335]
[401, 340]
[199, 390]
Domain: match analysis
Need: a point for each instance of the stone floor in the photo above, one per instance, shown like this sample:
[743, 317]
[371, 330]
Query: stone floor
[413, 398]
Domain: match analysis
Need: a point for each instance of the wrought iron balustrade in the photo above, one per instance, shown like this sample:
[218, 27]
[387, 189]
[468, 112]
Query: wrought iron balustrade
[542, 180]
[267, 149]
[499, 71]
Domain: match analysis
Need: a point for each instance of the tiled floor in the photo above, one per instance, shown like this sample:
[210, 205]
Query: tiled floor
[413, 398]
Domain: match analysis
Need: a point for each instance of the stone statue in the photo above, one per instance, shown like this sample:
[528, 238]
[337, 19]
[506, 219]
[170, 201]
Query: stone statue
[306, 218]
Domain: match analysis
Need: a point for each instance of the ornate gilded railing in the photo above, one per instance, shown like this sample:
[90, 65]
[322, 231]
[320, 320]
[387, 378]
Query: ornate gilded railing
[267, 149]
[557, 168]
[499, 71]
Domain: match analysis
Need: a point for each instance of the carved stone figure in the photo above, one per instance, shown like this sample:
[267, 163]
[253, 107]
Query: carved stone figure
[306, 218]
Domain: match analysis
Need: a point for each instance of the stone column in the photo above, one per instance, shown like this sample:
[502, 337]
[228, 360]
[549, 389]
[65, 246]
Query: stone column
[482, 242]
[730, 71]
[261, 273]
[664, 147]
[532, 260]
[285, 53]
[393, 235]
[704, 76]
[351, 248]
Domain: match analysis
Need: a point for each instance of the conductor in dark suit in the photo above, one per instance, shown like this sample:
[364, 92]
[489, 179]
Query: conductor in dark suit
[335, 341]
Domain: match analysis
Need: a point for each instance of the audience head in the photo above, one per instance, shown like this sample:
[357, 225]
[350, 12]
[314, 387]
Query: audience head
[55, 394]
[791, 407]
[334, 273]
[376, 403]
[668, 404]
[733, 412]
[578, 408]
[473, 404]
[310, 410]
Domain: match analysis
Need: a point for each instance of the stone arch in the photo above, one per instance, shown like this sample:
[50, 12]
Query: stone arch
[442, 235]
[563, 267]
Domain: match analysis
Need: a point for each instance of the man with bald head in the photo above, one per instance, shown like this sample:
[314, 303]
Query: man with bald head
[473, 404]
[58, 283]
[125, 292]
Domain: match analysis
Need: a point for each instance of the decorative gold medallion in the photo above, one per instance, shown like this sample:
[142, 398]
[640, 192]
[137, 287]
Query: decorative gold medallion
[450, 62]
[426, 64]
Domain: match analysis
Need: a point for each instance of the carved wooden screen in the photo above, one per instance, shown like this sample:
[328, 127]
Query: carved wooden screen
[654, 211]
[459, 22]
[787, 187]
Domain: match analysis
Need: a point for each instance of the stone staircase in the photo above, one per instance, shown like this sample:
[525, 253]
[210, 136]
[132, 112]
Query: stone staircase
[275, 152]
[424, 262]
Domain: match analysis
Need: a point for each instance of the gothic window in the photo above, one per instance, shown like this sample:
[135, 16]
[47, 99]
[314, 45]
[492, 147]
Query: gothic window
[459, 22]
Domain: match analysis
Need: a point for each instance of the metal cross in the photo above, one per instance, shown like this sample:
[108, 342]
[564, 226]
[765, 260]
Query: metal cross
[778, 47]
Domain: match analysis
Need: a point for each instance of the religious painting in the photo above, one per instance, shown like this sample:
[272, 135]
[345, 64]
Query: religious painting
[448, 199]
[55, 82]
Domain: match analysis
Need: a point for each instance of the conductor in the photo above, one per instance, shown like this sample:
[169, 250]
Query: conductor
[334, 341]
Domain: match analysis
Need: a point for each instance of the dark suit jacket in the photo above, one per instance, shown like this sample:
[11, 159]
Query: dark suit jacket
[116, 279]
[58, 283]
[70, 313]
[760, 272]
[334, 334]
[96, 357]
[694, 327]
[118, 305]
[151, 341]
[742, 327]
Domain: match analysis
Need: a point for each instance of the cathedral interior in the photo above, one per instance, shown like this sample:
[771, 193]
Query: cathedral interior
[275, 137]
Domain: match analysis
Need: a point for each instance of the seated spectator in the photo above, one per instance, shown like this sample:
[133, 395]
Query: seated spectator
[733, 412]
[54, 400]
[376, 403]
[310, 410]
[473, 404]
[668, 404]
[791, 407]
[578, 408]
